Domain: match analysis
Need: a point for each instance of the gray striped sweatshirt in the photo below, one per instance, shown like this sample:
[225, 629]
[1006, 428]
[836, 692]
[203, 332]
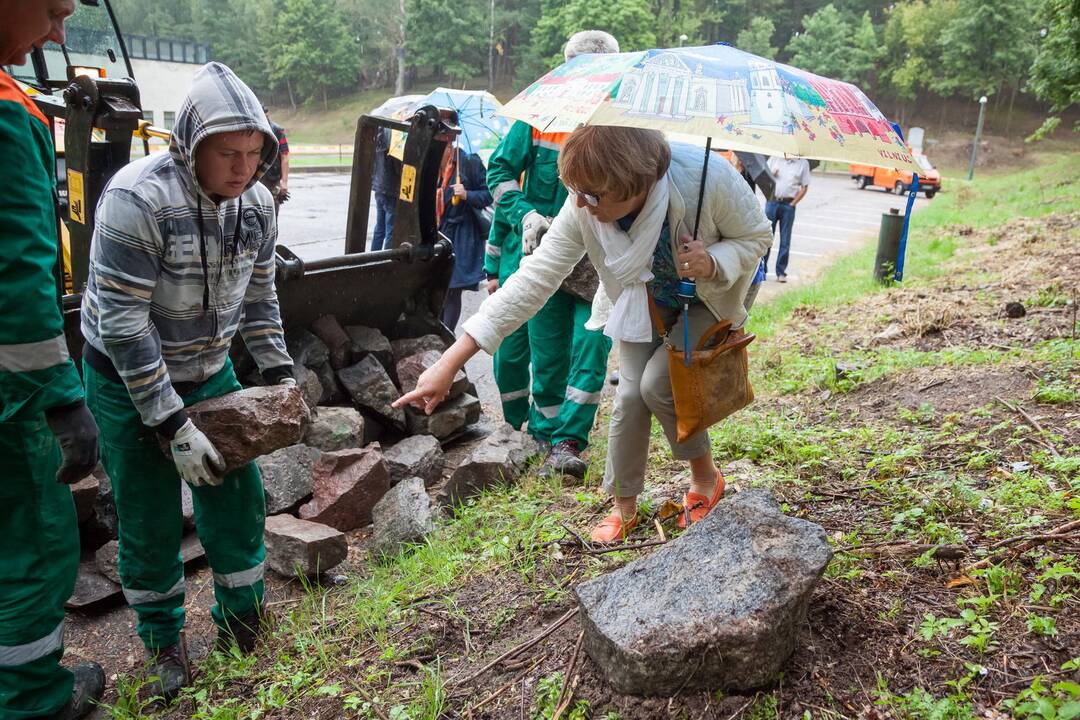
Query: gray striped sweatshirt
[144, 302]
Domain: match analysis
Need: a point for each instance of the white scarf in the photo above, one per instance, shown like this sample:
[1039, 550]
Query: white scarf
[629, 257]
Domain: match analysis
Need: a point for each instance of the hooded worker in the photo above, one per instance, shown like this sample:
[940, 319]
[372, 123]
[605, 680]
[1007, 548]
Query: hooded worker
[569, 362]
[41, 402]
[182, 259]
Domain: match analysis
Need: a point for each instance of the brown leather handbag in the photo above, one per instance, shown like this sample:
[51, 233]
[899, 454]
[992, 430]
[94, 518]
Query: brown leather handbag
[715, 384]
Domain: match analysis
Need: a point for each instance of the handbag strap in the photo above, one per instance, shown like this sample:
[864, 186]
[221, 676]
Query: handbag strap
[658, 323]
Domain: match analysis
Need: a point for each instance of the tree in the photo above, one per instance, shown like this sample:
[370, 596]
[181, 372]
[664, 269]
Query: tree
[987, 44]
[630, 21]
[448, 34]
[310, 50]
[824, 45]
[1055, 73]
[756, 39]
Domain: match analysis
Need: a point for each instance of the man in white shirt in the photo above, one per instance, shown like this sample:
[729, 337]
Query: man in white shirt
[792, 177]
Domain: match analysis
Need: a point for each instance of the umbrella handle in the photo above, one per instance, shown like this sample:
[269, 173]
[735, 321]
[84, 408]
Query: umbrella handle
[701, 189]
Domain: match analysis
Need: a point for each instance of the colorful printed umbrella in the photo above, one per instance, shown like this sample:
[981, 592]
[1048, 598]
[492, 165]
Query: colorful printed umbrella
[740, 101]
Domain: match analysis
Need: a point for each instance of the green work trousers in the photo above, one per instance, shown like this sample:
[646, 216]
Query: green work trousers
[569, 366]
[39, 559]
[229, 518]
[511, 369]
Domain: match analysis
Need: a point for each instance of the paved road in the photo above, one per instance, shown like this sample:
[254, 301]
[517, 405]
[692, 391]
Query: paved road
[834, 218]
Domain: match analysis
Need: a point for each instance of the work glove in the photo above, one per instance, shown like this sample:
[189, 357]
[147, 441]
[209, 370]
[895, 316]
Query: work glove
[287, 381]
[196, 458]
[283, 196]
[77, 434]
[533, 227]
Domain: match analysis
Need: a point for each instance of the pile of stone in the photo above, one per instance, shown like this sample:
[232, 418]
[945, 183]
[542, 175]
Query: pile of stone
[341, 460]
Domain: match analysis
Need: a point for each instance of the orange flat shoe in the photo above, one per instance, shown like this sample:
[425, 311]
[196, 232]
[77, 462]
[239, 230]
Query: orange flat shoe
[698, 506]
[611, 529]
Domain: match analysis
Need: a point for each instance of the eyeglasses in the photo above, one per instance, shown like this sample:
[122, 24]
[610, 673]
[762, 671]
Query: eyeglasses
[589, 198]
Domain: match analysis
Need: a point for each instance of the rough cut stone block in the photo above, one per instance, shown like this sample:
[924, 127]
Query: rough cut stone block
[404, 515]
[310, 385]
[337, 342]
[302, 547]
[448, 418]
[372, 390]
[415, 456]
[287, 477]
[370, 341]
[335, 428]
[248, 423]
[101, 526]
[92, 589]
[348, 483]
[405, 347]
[409, 370]
[499, 458]
[332, 392]
[719, 607]
[107, 560]
[306, 349]
[85, 493]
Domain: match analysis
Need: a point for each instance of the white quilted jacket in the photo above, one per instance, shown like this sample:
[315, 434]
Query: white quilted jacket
[733, 227]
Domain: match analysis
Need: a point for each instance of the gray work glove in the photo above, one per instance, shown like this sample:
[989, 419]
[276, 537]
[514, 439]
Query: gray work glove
[77, 434]
[533, 227]
[287, 381]
[196, 458]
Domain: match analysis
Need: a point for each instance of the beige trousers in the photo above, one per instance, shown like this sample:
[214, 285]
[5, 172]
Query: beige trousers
[644, 391]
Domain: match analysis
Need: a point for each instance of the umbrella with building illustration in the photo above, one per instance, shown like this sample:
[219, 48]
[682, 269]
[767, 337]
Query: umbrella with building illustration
[741, 101]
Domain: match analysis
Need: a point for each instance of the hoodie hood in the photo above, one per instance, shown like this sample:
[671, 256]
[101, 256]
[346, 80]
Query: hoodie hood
[218, 102]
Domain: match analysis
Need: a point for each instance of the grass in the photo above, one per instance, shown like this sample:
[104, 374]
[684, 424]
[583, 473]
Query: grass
[397, 638]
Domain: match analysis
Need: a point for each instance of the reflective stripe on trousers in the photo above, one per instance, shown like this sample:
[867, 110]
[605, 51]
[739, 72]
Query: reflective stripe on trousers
[13, 655]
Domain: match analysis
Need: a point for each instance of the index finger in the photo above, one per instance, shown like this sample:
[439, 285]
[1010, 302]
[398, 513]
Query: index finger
[413, 397]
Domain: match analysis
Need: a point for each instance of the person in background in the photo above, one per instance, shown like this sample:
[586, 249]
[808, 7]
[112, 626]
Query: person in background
[181, 260]
[385, 183]
[461, 197]
[568, 360]
[47, 435]
[792, 177]
[635, 199]
[276, 179]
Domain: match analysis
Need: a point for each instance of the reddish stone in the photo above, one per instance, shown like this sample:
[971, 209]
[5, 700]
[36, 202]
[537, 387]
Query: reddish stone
[409, 370]
[347, 485]
[295, 546]
[255, 421]
[337, 342]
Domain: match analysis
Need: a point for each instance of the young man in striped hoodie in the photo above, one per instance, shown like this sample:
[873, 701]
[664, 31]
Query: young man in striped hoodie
[41, 402]
[182, 259]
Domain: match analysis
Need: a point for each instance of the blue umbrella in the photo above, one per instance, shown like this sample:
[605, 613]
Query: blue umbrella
[481, 128]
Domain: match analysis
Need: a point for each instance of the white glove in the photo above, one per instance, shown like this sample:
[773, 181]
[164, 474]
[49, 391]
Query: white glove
[196, 458]
[287, 381]
[533, 227]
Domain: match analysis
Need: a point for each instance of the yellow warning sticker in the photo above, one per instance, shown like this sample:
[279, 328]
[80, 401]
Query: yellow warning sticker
[76, 199]
[408, 182]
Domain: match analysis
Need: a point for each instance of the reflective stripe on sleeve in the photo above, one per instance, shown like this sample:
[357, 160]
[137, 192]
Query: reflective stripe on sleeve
[505, 187]
[241, 578]
[493, 250]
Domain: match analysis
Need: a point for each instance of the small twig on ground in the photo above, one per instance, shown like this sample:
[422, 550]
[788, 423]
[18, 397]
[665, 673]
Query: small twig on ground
[625, 546]
[522, 646]
[940, 552]
[934, 384]
[520, 677]
[1031, 421]
[659, 530]
[1025, 543]
[564, 698]
[374, 705]
[745, 705]
[580, 540]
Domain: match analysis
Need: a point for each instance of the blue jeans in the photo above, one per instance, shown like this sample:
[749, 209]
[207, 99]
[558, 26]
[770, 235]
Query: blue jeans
[385, 205]
[784, 214]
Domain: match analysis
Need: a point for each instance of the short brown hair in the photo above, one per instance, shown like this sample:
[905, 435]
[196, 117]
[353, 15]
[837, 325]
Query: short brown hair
[618, 161]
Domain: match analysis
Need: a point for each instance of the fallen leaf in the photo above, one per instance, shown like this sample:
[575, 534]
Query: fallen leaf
[961, 581]
[670, 509]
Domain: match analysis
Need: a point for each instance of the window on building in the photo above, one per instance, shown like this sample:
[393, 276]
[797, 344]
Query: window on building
[170, 118]
[148, 115]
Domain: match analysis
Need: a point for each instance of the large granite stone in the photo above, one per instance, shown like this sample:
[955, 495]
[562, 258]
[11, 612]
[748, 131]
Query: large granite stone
[306, 349]
[403, 515]
[405, 347]
[310, 385]
[335, 428]
[327, 329]
[287, 477]
[410, 369]
[102, 524]
[498, 459]
[85, 493]
[371, 388]
[251, 422]
[448, 418]
[415, 456]
[301, 547]
[347, 483]
[367, 341]
[332, 392]
[719, 607]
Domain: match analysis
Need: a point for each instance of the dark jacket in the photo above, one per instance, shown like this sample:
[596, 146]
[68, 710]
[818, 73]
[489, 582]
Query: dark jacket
[461, 225]
[387, 176]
